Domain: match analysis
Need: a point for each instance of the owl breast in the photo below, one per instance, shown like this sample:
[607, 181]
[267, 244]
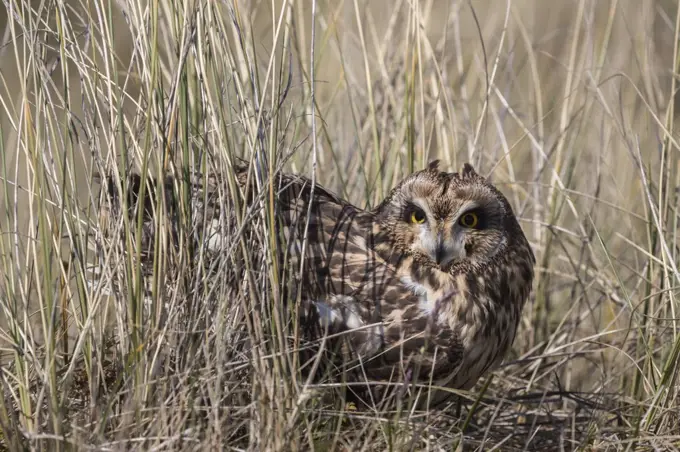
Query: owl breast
[484, 348]
[479, 321]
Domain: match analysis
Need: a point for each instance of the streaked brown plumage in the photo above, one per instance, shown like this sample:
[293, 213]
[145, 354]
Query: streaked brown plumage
[433, 279]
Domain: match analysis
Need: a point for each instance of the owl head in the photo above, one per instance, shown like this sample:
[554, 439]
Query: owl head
[446, 219]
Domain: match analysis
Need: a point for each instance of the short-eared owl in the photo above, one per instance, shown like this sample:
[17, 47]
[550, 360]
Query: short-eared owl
[432, 281]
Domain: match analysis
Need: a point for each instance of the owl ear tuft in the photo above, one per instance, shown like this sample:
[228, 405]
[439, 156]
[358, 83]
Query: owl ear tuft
[468, 171]
[434, 165]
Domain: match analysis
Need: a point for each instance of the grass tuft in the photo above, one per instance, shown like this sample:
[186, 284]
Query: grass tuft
[569, 106]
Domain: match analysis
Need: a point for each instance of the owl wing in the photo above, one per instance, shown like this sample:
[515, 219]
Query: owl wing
[386, 349]
[337, 241]
[351, 288]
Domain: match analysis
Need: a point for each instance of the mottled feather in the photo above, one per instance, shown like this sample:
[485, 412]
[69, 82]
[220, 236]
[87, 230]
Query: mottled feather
[393, 286]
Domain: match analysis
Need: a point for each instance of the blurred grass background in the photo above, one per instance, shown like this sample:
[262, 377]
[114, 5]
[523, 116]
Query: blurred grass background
[569, 107]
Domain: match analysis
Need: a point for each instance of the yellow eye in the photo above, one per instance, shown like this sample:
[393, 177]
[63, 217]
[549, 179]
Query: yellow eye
[418, 217]
[469, 220]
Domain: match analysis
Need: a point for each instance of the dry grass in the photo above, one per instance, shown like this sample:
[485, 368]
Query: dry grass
[568, 105]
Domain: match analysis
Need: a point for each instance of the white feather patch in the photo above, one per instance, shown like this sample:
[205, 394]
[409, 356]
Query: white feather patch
[353, 321]
[426, 303]
[329, 316]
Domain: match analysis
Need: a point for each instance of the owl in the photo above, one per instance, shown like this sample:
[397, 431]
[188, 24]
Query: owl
[426, 287]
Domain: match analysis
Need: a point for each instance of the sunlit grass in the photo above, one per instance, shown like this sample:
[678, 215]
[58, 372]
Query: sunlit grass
[567, 105]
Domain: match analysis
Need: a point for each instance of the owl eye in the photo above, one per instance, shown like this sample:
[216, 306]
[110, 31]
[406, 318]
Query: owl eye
[418, 216]
[469, 220]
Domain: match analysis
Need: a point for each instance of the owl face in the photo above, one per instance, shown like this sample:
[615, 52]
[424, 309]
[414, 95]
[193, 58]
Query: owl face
[447, 218]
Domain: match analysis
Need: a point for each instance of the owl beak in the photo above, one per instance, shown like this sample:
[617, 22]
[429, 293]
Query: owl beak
[440, 250]
[448, 250]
